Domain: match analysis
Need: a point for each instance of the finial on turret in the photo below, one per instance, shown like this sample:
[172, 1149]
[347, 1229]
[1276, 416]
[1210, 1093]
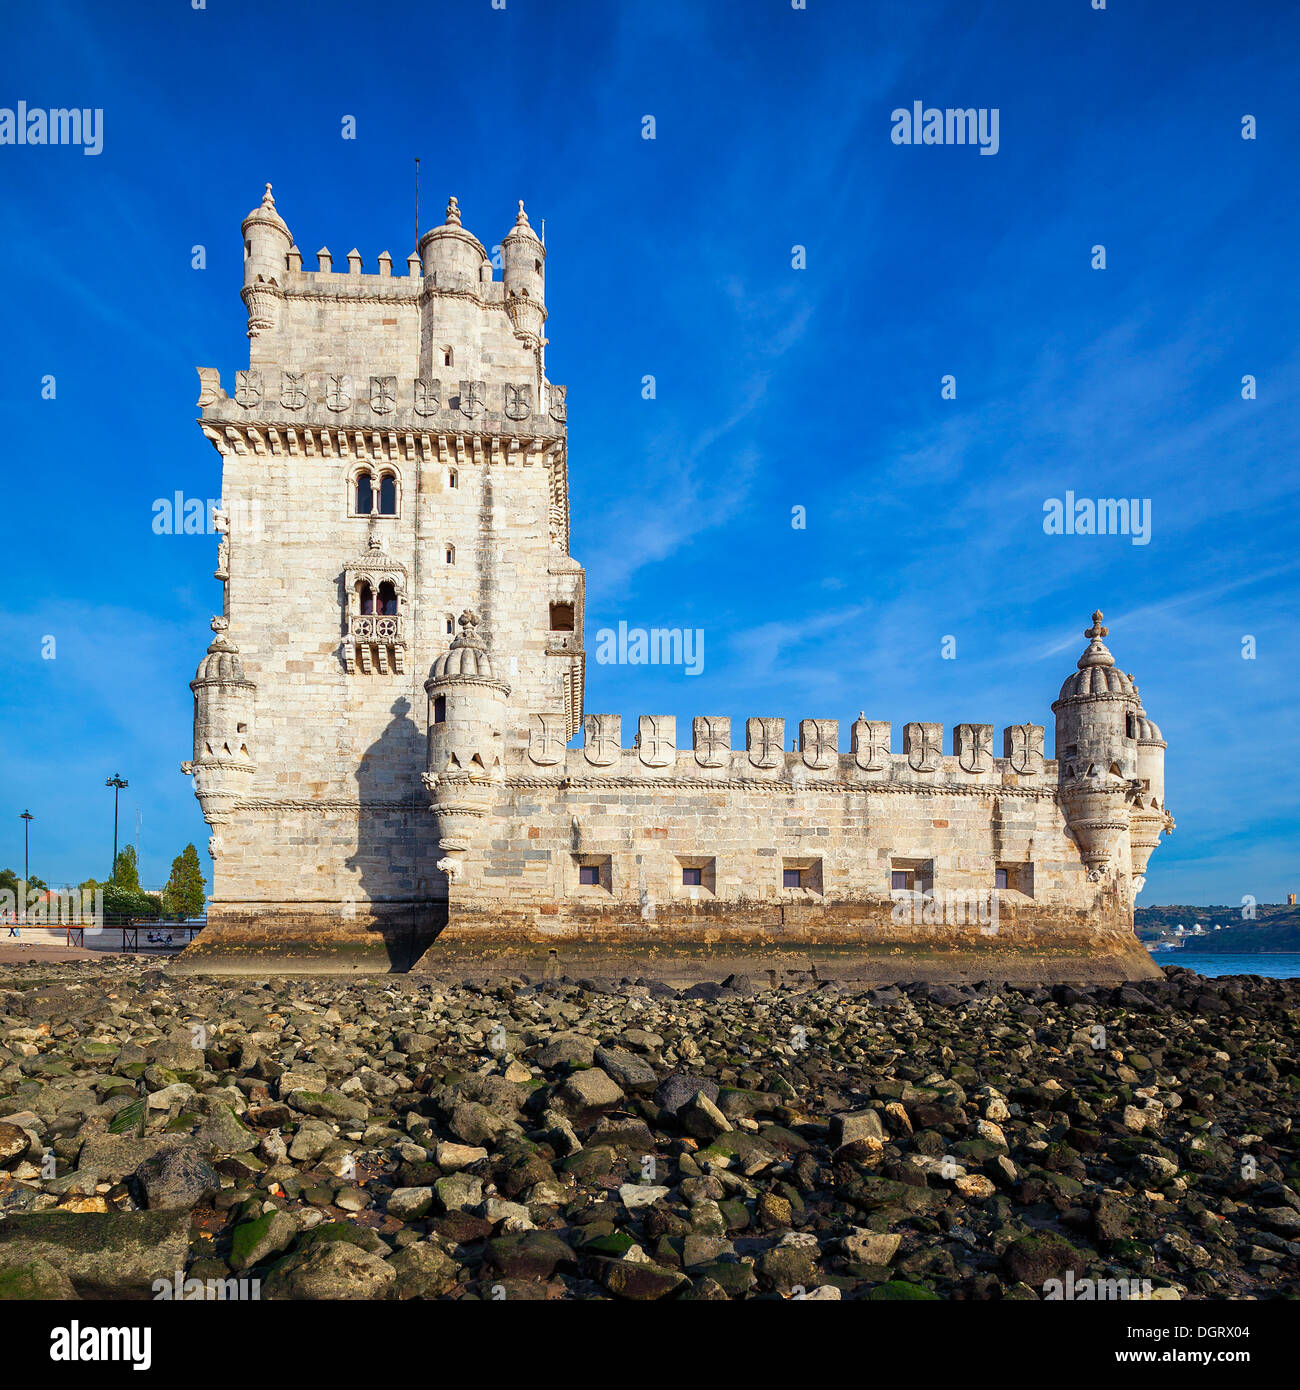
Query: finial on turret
[522, 219]
[453, 213]
[267, 200]
[1096, 652]
[468, 622]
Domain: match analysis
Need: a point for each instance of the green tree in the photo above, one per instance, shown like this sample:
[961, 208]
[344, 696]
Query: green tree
[126, 873]
[183, 896]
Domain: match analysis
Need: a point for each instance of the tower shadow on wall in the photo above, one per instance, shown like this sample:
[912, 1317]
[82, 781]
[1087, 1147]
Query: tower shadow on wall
[402, 897]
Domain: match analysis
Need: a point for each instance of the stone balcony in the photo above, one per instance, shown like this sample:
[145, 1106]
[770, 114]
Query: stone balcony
[375, 641]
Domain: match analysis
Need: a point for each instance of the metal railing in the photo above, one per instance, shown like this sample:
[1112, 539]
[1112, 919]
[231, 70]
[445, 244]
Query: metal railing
[130, 928]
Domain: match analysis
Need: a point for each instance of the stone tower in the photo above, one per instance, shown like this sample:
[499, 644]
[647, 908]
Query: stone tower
[393, 456]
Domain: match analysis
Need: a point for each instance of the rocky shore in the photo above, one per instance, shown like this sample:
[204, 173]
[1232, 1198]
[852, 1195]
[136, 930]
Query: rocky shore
[164, 1136]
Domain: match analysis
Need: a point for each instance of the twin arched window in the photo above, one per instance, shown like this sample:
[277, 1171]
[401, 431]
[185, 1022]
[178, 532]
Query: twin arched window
[383, 602]
[364, 495]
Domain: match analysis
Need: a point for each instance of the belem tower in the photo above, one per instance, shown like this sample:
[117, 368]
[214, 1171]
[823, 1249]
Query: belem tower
[382, 720]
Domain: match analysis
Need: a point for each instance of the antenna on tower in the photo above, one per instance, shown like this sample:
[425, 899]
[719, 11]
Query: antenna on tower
[417, 203]
[543, 231]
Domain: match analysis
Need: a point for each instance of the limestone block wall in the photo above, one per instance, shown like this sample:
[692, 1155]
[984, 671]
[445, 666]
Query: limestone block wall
[950, 821]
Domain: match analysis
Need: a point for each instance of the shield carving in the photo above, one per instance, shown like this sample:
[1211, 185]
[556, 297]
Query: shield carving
[604, 737]
[559, 404]
[338, 392]
[712, 738]
[473, 398]
[383, 394]
[765, 741]
[974, 747]
[1022, 746]
[293, 390]
[819, 742]
[923, 745]
[428, 395]
[656, 740]
[871, 739]
[248, 389]
[518, 402]
[546, 739]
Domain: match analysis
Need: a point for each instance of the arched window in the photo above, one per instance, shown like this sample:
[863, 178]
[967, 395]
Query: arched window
[387, 598]
[366, 599]
[451, 478]
[447, 356]
[451, 554]
[451, 625]
[387, 495]
[365, 494]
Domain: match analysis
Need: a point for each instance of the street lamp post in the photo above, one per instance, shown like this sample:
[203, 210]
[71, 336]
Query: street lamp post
[26, 819]
[117, 783]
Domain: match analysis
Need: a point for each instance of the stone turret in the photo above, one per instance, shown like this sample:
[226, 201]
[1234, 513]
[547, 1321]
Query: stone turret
[1096, 755]
[1147, 814]
[467, 709]
[453, 258]
[523, 262]
[223, 765]
[267, 242]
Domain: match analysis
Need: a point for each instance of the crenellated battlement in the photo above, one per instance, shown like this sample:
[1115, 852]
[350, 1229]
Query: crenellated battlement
[449, 264]
[813, 760]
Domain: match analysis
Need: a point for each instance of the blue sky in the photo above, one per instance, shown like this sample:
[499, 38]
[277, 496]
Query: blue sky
[775, 387]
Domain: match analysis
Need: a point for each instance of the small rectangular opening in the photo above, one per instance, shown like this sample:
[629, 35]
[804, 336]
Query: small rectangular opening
[911, 875]
[697, 877]
[561, 617]
[1017, 878]
[803, 876]
[594, 873]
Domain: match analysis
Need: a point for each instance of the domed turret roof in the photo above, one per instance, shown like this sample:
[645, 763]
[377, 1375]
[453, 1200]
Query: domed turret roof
[451, 230]
[265, 214]
[1146, 730]
[467, 656]
[221, 663]
[522, 227]
[1097, 674]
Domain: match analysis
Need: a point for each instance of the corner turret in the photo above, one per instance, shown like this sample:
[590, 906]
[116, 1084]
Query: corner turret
[453, 258]
[524, 276]
[223, 765]
[467, 707]
[267, 243]
[1148, 817]
[1097, 758]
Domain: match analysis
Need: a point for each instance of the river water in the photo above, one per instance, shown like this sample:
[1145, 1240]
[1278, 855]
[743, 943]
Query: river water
[1280, 965]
